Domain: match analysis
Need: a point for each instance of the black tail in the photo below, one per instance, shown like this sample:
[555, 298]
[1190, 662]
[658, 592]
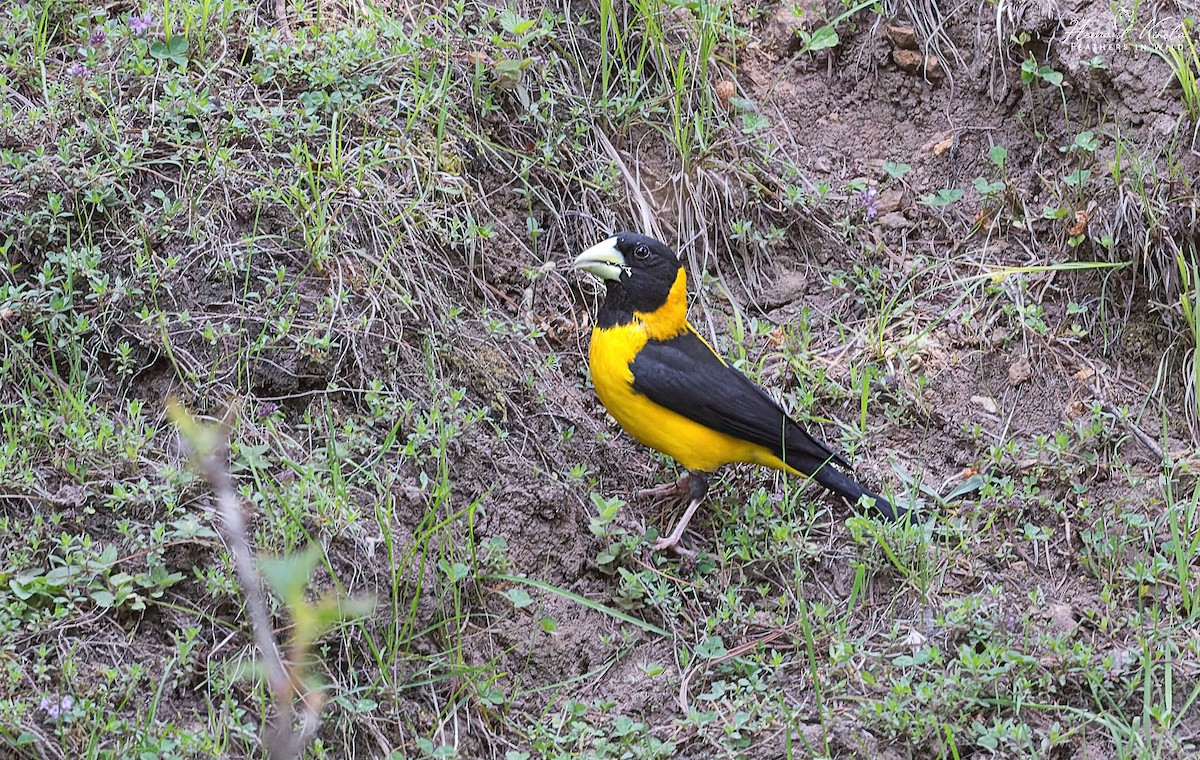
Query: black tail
[850, 490]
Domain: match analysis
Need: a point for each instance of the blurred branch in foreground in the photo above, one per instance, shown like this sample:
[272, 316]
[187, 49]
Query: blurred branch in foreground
[292, 725]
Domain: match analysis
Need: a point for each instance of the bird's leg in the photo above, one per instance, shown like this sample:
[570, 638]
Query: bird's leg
[667, 489]
[697, 488]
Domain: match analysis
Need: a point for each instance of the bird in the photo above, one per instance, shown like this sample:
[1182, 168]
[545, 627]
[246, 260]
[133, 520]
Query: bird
[666, 386]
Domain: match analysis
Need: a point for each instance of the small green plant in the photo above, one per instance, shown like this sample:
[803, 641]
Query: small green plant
[1034, 76]
[1189, 302]
[896, 171]
[1184, 59]
[994, 189]
[174, 49]
[943, 197]
[826, 36]
[1032, 72]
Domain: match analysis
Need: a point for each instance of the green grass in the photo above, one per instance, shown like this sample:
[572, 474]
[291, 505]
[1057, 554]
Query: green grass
[351, 226]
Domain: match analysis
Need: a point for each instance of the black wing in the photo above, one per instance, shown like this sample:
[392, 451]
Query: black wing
[684, 375]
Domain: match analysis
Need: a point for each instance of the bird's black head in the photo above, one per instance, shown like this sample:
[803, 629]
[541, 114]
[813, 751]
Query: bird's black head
[639, 272]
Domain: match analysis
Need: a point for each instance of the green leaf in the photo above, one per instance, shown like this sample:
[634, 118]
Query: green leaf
[943, 197]
[159, 577]
[822, 38]
[606, 512]
[606, 558]
[711, 648]
[973, 483]
[753, 122]
[1087, 141]
[519, 597]
[190, 527]
[549, 624]
[920, 657]
[607, 506]
[896, 171]
[60, 575]
[1055, 212]
[492, 696]
[1029, 69]
[1077, 178]
[251, 456]
[509, 70]
[997, 155]
[311, 101]
[356, 706]
[715, 692]
[27, 584]
[105, 599]
[289, 576]
[985, 188]
[515, 24]
[454, 572]
[175, 50]
[743, 105]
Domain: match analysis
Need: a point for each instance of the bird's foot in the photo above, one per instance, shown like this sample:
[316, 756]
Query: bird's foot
[666, 489]
[672, 543]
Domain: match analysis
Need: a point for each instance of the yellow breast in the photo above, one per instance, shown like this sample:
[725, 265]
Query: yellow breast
[693, 445]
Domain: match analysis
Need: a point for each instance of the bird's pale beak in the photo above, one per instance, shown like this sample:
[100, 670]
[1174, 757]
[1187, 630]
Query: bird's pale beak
[603, 260]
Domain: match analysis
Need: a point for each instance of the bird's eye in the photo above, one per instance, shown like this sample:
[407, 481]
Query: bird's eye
[641, 253]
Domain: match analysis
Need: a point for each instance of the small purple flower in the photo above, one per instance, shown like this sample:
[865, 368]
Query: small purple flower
[97, 37]
[78, 70]
[267, 408]
[139, 25]
[55, 705]
[870, 199]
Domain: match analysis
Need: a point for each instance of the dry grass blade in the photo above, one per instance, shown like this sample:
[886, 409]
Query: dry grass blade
[646, 213]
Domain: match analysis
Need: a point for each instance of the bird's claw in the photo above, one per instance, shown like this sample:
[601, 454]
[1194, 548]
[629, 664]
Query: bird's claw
[666, 489]
[672, 543]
